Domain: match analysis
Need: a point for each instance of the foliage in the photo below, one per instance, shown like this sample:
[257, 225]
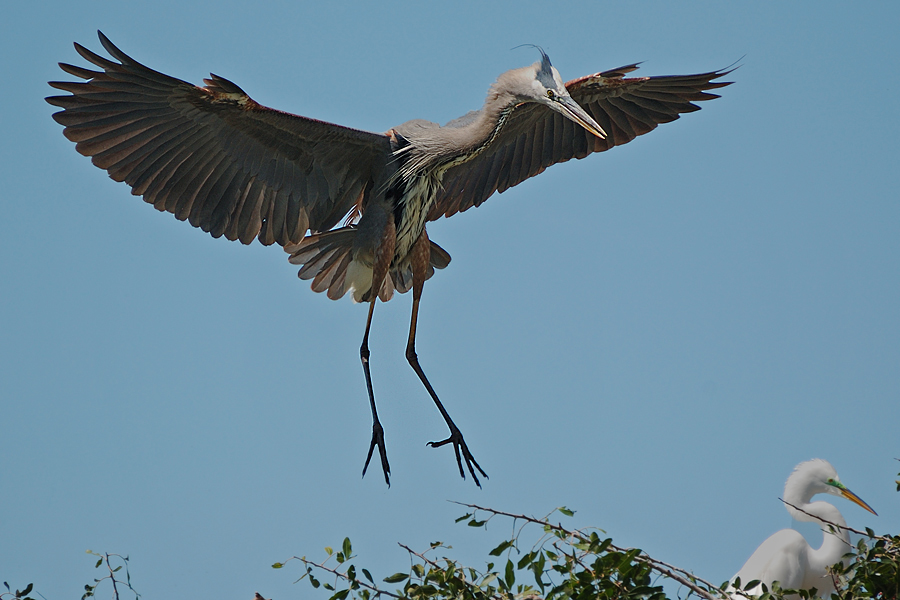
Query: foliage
[561, 564]
[22, 594]
[875, 568]
[108, 560]
[577, 564]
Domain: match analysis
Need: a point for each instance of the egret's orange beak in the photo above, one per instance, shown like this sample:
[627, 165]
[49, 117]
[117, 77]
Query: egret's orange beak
[856, 500]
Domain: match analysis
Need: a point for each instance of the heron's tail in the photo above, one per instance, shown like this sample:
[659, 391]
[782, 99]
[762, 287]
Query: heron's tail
[328, 259]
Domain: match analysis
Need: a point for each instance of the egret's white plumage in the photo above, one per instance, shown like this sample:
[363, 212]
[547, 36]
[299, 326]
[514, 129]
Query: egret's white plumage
[786, 557]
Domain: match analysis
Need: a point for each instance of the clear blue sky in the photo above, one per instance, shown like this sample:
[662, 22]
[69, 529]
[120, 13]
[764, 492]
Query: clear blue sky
[652, 336]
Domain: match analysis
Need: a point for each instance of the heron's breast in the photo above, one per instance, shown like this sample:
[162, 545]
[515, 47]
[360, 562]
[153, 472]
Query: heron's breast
[414, 206]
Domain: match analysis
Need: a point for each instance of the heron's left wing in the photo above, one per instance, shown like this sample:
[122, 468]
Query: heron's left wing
[536, 137]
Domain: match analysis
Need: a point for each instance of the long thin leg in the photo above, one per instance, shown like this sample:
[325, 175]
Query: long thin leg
[377, 429]
[421, 253]
[383, 253]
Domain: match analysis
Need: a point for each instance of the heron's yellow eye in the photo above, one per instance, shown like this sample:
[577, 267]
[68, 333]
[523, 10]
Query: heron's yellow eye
[550, 94]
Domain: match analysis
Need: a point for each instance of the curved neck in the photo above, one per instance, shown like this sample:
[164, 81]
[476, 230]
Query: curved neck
[836, 540]
[439, 148]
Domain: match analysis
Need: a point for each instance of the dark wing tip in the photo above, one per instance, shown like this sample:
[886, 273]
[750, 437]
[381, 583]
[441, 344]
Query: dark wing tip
[80, 72]
[110, 47]
[722, 73]
[220, 84]
[116, 53]
[621, 71]
[95, 58]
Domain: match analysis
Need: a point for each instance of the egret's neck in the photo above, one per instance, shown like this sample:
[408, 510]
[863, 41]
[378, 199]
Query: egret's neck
[835, 542]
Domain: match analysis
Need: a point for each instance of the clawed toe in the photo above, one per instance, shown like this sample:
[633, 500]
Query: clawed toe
[459, 444]
[378, 440]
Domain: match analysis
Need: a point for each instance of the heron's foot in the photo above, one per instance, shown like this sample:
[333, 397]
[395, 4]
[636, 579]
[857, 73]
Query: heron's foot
[378, 440]
[459, 445]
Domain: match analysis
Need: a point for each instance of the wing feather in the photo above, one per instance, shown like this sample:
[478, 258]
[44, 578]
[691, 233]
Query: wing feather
[536, 137]
[211, 154]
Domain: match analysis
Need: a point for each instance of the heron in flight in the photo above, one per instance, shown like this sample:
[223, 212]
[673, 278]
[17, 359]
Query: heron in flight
[785, 556]
[213, 156]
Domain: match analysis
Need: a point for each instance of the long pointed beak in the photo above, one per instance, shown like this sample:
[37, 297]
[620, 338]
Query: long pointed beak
[856, 500]
[572, 110]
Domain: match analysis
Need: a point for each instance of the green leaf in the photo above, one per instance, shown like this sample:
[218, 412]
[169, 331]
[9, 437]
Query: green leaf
[277, 565]
[526, 560]
[566, 511]
[462, 518]
[603, 546]
[510, 575]
[538, 568]
[26, 591]
[340, 595]
[99, 562]
[396, 578]
[499, 549]
[368, 575]
[474, 523]
[328, 550]
[347, 548]
[426, 591]
[628, 558]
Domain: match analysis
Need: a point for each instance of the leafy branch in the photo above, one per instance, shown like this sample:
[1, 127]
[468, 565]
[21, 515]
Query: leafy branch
[22, 594]
[581, 539]
[563, 563]
[107, 559]
[581, 564]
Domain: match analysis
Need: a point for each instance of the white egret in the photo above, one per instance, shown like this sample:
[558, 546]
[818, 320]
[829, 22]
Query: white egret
[786, 557]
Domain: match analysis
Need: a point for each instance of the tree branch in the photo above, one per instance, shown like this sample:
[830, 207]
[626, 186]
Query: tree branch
[676, 574]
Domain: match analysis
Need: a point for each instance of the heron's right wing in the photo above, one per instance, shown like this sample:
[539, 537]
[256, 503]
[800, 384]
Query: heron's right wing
[214, 156]
[536, 137]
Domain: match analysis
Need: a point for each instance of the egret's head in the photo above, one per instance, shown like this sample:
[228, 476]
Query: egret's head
[817, 476]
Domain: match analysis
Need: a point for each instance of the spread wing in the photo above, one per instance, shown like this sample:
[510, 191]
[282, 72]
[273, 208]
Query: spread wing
[212, 155]
[536, 137]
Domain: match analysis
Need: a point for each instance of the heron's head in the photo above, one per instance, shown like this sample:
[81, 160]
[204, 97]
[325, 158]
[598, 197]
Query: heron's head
[541, 83]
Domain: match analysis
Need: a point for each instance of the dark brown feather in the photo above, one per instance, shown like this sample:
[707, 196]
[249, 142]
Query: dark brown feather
[214, 156]
[536, 137]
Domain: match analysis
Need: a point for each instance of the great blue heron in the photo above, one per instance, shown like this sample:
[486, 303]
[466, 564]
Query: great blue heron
[232, 167]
